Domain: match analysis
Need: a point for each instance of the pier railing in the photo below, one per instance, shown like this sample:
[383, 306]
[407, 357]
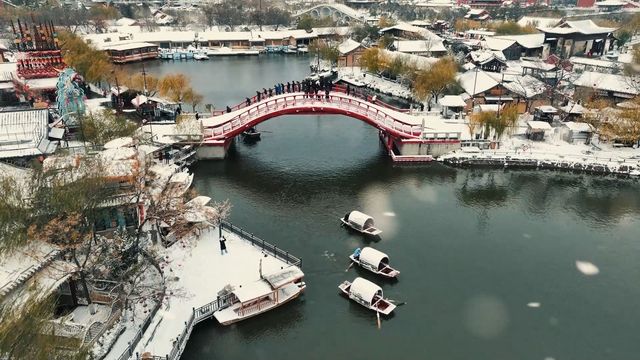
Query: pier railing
[265, 246]
[221, 302]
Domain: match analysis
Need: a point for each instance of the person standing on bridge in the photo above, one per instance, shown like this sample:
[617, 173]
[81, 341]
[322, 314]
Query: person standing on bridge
[248, 101]
[258, 95]
[228, 109]
[348, 90]
[288, 87]
[270, 92]
[264, 93]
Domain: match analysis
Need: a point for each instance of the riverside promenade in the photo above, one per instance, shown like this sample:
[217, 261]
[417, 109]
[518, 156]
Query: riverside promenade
[195, 271]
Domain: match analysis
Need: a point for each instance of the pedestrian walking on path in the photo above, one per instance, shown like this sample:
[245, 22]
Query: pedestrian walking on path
[223, 246]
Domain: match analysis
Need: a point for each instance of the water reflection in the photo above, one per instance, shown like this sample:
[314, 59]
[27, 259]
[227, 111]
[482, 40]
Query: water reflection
[599, 201]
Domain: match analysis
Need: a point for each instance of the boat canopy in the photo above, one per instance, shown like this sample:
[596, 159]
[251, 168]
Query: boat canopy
[373, 257]
[364, 290]
[252, 291]
[362, 220]
[282, 277]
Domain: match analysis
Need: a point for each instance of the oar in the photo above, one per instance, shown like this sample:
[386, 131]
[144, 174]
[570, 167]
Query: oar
[378, 315]
[349, 267]
[398, 304]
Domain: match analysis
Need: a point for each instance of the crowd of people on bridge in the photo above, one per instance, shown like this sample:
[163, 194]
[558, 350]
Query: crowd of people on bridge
[312, 89]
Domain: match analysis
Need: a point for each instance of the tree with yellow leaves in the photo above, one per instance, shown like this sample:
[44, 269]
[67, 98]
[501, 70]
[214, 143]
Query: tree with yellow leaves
[94, 65]
[430, 83]
[370, 60]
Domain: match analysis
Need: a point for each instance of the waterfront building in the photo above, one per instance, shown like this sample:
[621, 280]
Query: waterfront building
[131, 52]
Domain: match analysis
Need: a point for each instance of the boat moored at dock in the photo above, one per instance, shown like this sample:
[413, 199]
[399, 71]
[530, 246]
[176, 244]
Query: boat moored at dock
[375, 261]
[360, 222]
[367, 294]
[269, 292]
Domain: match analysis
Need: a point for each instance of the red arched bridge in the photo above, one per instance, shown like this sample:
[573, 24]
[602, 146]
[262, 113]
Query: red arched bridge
[224, 126]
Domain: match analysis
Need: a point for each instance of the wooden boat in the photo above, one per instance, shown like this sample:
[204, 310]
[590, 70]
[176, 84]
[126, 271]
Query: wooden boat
[367, 294]
[251, 134]
[360, 222]
[375, 261]
[268, 293]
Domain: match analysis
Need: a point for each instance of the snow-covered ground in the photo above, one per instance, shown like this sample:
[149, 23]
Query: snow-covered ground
[195, 273]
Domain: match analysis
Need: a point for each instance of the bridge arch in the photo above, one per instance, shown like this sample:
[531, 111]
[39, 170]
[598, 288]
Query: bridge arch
[228, 125]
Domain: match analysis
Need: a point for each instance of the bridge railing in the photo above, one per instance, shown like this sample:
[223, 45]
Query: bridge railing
[336, 88]
[375, 114]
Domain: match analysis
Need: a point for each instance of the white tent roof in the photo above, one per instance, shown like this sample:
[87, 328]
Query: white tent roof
[359, 218]
[452, 101]
[364, 289]
[284, 276]
[372, 256]
[252, 291]
[547, 109]
[139, 100]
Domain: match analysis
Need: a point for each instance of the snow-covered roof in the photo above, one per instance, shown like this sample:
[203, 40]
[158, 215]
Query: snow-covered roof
[527, 86]
[537, 64]
[24, 133]
[540, 22]
[129, 46]
[578, 126]
[18, 267]
[609, 82]
[284, 276]
[539, 125]
[373, 257]
[406, 27]
[39, 84]
[587, 27]
[595, 62]
[573, 108]
[529, 41]
[547, 109]
[480, 32]
[484, 56]
[419, 46]
[7, 71]
[125, 21]
[476, 82]
[452, 101]
[486, 108]
[498, 44]
[476, 12]
[252, 290]
[611, 3]
[364, 290]
[421, 62]
[348, 46]
[419, 23]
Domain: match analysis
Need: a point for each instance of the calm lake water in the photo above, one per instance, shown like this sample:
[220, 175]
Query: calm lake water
[478, 249]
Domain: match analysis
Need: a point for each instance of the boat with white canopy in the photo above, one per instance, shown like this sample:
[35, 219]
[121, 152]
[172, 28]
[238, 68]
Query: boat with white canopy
[375, 261]
[367, 294]
[269, 292]
[360, 222]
